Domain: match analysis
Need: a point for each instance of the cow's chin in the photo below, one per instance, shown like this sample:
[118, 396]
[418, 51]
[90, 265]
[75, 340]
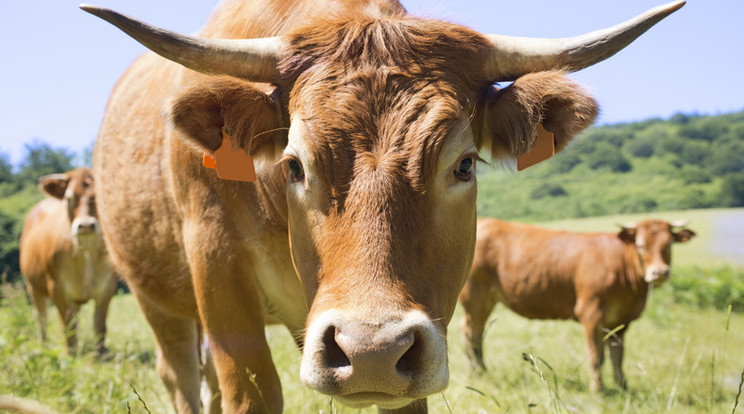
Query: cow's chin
[86, 240]
[366, 399]
[656, 281]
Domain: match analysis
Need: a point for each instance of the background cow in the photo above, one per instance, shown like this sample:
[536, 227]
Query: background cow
[62, 255]
[364, 124]
[599, 279]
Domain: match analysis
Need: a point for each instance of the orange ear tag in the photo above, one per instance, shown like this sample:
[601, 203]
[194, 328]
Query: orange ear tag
[230, 165]
[543, 149]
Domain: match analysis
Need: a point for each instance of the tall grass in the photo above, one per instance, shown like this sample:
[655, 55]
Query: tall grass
[81, 383]
[533, 366]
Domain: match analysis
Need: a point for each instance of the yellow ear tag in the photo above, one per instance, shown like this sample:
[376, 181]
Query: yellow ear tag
[543, 149]
[230, 165]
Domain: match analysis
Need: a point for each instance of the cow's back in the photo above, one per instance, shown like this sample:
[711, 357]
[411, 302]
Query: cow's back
[538, 273]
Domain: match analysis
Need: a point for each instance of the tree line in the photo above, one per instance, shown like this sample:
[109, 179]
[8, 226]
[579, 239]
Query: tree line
[684, 162]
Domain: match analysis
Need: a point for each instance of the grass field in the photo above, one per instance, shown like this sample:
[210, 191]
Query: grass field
[679, 358]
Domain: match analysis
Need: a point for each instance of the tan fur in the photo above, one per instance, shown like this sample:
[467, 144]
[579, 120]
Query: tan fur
[58, 265]
[599, 279]
[380, 109]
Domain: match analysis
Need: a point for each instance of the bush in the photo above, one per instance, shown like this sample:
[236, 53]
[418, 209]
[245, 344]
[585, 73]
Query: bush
[732, 191]
[717, 288]
[695, 153]
[606, 156]
[548, 190]
[642, 148]
[728, 158]
[565, 161]
[692, 174]
[707, 129]
[641, 204]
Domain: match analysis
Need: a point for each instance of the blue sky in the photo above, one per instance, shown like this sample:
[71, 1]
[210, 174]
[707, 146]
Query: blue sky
[59, 63]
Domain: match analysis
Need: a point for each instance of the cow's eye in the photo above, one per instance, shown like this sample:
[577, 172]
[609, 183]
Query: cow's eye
[464, 170]
[296, 172]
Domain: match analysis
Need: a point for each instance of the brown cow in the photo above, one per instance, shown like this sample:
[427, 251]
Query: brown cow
[63, 257]
[599, 279]
[359, 231]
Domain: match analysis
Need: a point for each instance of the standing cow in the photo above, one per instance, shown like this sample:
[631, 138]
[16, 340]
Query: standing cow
[358, 233]
[598, 279]
[63, 257]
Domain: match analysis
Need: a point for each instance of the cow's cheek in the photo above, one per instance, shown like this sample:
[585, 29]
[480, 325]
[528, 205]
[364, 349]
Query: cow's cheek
[304, 253]
[455, 222]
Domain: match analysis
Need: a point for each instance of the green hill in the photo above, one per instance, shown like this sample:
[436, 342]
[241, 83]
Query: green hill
[686, 162]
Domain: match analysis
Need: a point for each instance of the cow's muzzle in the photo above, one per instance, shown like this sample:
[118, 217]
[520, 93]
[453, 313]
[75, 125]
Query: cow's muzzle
[85, 226]
[656, 275]
[390, 364]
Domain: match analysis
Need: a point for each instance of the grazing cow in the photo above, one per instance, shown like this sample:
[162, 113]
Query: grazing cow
[63, 257]
[358, 232]
[598, 279]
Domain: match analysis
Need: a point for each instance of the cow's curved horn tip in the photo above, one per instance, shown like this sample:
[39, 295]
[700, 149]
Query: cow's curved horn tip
[675, 5]
[90, 8]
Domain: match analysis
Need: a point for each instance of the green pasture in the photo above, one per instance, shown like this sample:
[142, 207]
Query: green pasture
[685, 354]
[679, 359]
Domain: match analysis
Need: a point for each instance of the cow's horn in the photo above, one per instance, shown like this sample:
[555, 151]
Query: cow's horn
[511, 57]
[252, 59]
[679, 223]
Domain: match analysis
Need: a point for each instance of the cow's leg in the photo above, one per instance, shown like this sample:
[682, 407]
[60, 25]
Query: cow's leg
[590, 317]
[210, 390]
[416, 407]
[68, 311]
[233, 320]
[39, 301]
[617, 347]
[99, 317]
[177, 355]
[477, 302]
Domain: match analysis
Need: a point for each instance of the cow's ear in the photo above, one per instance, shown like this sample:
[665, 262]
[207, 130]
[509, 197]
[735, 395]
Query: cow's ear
[683, 236]
[54, 185]
[627, 234]
[248, 115]
[511, 115]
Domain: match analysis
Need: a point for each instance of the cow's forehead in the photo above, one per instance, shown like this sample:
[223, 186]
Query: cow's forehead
[653, 231]
[377, 119]
[80, 182]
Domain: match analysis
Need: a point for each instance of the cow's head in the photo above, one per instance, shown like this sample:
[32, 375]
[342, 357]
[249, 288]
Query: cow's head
[653, 241]
[75, 187]
[386, 118]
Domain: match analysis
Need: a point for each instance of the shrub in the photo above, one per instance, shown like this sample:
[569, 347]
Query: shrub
[606, 156]
[548, 190]
[640, 204]
[565, 162]
[732, 191]
[728, 158]
[692, 174]
[707, 129]
[713, 287]
[639, 147]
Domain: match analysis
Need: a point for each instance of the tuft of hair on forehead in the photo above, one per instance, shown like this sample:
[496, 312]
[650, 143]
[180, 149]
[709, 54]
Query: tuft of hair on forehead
[381, 92]
[420, 47]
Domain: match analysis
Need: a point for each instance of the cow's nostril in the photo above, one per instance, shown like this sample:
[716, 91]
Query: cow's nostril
[411, 359]
[334, 356]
